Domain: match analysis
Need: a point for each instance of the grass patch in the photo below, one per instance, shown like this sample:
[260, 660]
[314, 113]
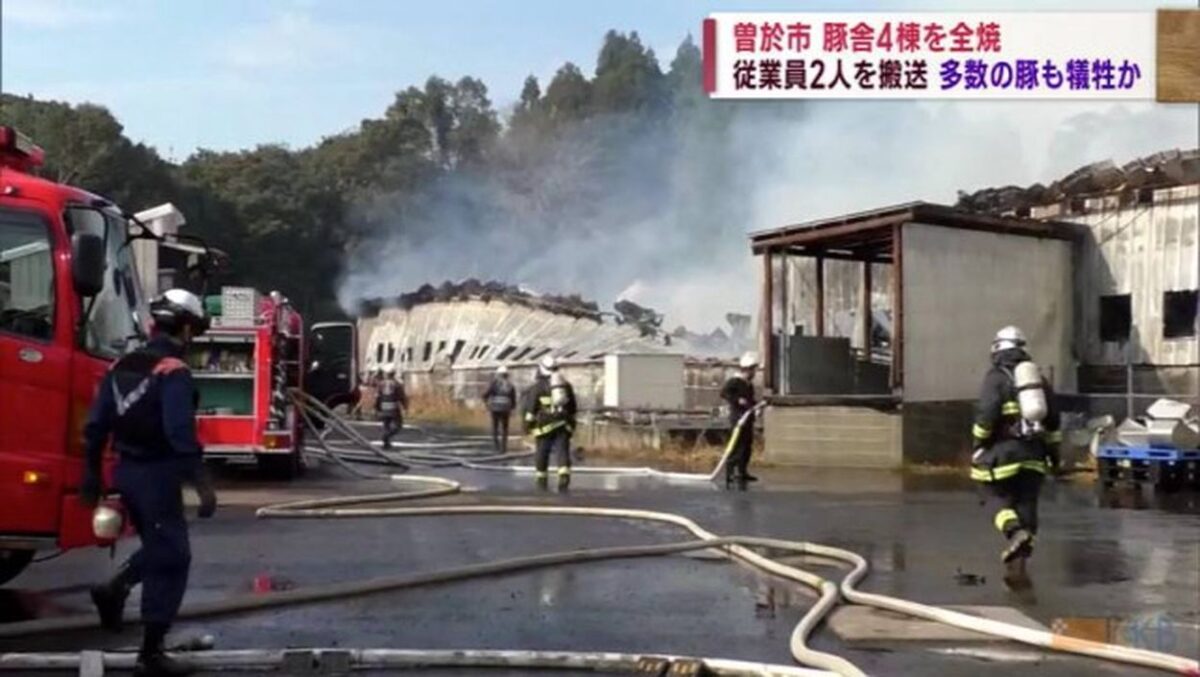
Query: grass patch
[444, 410]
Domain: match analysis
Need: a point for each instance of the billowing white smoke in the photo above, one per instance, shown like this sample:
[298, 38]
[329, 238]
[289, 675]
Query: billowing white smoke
[658, 211]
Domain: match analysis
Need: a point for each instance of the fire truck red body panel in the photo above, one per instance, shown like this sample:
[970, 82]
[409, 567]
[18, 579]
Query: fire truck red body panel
[267, 424]
[47, 381]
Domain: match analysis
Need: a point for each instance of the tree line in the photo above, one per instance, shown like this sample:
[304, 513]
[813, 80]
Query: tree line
[292, 218]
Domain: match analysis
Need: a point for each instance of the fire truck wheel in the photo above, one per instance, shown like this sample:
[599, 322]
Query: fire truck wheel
[280, 466]
[12, 563]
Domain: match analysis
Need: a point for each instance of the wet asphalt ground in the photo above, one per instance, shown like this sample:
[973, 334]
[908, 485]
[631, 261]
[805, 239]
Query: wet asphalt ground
[1122, 563]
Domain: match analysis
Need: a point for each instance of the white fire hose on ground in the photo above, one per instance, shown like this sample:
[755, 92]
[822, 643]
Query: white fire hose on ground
[741, 549]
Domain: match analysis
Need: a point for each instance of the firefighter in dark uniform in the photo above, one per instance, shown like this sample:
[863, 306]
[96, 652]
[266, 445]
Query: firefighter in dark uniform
[390, 402]
[501, 398]
[1012, 452]
[147, 405]
[738, 393]
[549, 416]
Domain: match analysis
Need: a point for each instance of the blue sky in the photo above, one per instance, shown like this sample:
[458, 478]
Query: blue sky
[225, 74]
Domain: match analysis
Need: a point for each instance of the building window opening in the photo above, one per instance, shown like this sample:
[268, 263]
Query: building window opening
[1116, 318]
[428, 352]
[508, 350]
[1179, 313]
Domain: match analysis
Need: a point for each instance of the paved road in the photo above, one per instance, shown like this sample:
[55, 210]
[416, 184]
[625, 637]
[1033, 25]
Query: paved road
[1115, 557]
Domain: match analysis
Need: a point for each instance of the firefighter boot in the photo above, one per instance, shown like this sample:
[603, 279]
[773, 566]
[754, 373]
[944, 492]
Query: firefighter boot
[542, 479]
[564, 478]
[1020, 547]
[110, 597]
[152, 661]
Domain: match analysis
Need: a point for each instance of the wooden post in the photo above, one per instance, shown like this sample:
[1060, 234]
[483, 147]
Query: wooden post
[820, 300]
[785, 324]
[865, 305]
[897, 308]
[768, 322]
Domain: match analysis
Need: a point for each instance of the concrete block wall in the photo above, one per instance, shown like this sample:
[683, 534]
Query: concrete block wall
[938, 433]
[834, 436]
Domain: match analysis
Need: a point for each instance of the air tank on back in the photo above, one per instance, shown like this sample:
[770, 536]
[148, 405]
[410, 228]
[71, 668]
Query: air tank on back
[1030, 395]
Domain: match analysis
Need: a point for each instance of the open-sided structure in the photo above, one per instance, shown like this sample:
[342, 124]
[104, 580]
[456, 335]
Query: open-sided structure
[876, 326]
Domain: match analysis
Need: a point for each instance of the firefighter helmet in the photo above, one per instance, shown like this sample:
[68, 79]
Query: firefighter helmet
[748, 361]
[502, 370]
[1008, 337]
[176, 308]
[548, 365]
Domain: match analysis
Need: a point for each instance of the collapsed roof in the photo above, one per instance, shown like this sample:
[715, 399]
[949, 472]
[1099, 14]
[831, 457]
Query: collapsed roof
[473, 289]
[1164, 169]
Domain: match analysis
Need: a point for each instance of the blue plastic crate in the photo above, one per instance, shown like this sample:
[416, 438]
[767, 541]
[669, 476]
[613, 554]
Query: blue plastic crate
[1148, 454]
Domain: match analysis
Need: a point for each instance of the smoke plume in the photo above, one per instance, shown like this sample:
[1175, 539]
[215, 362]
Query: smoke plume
[657, 210]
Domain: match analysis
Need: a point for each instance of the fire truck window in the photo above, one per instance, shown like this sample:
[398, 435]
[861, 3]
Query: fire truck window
[26, 277]
[112, 326]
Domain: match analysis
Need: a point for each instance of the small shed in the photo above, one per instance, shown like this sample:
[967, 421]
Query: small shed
[644, 381]
[876, 327]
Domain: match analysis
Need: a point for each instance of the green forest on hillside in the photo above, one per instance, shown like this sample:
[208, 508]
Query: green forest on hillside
[292, 217]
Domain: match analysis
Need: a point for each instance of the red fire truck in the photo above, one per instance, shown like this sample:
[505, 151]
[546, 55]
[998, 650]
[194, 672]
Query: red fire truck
[70, 303]
[245, 367]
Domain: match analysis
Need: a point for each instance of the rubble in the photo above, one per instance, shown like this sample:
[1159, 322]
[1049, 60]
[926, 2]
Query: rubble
[573, 304]
[625, 313]
[1159, 170]
[645, 319]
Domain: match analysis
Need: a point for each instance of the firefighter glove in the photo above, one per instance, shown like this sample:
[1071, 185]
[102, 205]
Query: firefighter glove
[90, 489]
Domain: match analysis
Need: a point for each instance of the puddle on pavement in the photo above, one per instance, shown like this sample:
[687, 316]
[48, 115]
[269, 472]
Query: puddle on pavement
[1094, 562]
[1148, 498]
[1172, 633]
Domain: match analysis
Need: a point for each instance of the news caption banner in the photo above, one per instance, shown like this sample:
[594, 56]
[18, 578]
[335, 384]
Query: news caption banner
[951, 55]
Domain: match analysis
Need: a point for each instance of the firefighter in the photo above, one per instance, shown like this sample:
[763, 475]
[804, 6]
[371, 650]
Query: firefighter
[549, 416]
[1016, 439]
[500, 397]
[738, 392]
[390, 403]
[146, 404]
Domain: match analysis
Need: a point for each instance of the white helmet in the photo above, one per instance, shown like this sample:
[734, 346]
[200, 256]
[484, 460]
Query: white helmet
[1008, 337]
[502, 370]
[547, 365]
[175, 308]
[748, 361]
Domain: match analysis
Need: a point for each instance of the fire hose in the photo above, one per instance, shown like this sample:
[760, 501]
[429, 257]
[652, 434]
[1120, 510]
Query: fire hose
[740, 549]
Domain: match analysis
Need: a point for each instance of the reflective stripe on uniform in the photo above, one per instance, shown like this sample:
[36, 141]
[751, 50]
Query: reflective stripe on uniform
[125, 402]
[1004, 517]
[548, 428]
[541, 474]
[1010, 408]
[981, 432]
[1003, 472]
[563, 470]
[1054, 437]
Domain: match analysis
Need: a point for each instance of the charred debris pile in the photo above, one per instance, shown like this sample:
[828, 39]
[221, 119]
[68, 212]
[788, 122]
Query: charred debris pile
[647, 321]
